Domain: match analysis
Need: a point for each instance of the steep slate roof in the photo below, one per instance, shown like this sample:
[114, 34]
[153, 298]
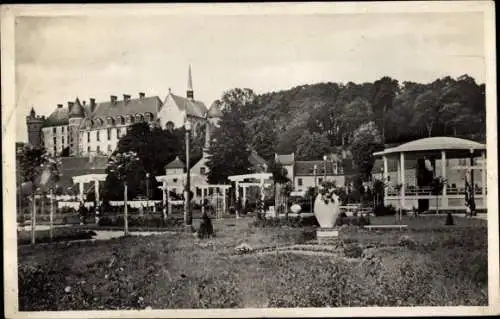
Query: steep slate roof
[215, 110]
[191, 107]
[58, 117]
[176, 163]
[306, 168]
[133, 106]
[285, 159]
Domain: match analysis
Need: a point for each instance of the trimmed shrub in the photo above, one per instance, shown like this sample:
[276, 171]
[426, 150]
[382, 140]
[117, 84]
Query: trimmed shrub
[449, 220]
[382, 210]
[353, 251]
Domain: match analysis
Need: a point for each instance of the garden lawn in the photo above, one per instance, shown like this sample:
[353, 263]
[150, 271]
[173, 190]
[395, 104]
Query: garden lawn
[427, 266]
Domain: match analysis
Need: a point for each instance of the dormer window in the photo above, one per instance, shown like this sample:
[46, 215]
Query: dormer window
[139, 117]
[130, 119]
[110, 120]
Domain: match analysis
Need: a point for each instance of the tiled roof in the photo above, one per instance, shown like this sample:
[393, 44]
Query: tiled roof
[58, 117]
[306, 168]
[215, 110]
[285, 159]
[176, 163]
[131, 107]
[191, 107]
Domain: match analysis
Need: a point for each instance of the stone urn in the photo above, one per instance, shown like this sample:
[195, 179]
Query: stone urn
[326, 213]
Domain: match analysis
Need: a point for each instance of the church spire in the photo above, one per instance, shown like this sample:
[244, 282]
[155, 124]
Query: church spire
[190, 93]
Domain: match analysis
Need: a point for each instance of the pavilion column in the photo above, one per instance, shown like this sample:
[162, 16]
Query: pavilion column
[237, 198]
[80, 185]
[223, 200]
[386, 176]
[444, 197]
[164, 198]
[402, 180]
[483, 178]
[244, 196]
[203, 201]
[96, 191]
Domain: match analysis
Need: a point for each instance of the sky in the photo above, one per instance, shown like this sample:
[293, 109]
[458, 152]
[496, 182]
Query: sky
[61, 58]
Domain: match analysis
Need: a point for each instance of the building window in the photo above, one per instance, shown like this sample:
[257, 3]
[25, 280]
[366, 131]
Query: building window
[335, 169]
[62, 129]
[88, 149]
[202, 170]
[55, 150]
[55, 141]
[88, 137]
[320, 180]
[299, 181]
[62, 141]
[54, 130]
[97, 135]
[98, 150]
[109, 134]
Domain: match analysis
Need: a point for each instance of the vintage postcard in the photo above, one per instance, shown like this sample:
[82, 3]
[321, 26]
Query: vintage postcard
[250, 160]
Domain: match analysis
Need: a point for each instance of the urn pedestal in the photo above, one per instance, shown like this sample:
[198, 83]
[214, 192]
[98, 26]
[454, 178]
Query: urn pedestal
[326, 213]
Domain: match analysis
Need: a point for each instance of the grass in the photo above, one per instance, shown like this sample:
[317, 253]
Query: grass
[434, 266]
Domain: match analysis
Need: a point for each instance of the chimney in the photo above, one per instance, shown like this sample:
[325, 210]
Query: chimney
[141, 95]
[59, 106]
[92, 104]
[70, 105]
[126, 98]
[113, 99]
[84, 103]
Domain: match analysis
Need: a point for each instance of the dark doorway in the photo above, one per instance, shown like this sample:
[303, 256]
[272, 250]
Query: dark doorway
[424, 178]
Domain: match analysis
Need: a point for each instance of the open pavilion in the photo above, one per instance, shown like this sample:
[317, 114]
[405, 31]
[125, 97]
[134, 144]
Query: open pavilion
[445, 157]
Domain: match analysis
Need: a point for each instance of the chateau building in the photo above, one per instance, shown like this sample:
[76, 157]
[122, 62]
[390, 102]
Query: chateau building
[94, 128]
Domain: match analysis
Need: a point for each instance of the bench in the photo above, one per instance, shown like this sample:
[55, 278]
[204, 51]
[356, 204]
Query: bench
[400, 227]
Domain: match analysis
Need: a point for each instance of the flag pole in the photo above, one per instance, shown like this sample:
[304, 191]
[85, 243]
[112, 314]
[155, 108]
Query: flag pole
[51, 214]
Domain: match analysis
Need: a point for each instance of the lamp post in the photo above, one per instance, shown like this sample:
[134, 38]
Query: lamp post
[472, 185]
[147, 191]
[324, 160]
[188, 219]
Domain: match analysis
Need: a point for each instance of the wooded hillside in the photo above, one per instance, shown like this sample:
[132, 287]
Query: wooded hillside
[312, 119]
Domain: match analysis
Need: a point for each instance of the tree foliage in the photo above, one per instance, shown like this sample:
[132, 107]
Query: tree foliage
[229, 151]
[366, 140]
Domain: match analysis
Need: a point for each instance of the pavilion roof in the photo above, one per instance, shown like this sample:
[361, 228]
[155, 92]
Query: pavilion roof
[433, 144]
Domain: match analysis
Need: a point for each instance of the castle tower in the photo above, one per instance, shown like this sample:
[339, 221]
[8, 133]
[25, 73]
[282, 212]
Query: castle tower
[34, 124]
[190, 92]
[76, 113]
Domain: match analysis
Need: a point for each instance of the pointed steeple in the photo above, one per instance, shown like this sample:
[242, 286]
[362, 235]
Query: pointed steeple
[32, 113]
[190, 93]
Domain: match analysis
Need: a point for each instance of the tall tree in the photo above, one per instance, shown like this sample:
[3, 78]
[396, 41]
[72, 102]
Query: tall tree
[229, 151]
[366, 140]
[385, 90]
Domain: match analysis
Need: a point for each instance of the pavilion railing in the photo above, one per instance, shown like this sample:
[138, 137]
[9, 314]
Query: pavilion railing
[411, 190]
